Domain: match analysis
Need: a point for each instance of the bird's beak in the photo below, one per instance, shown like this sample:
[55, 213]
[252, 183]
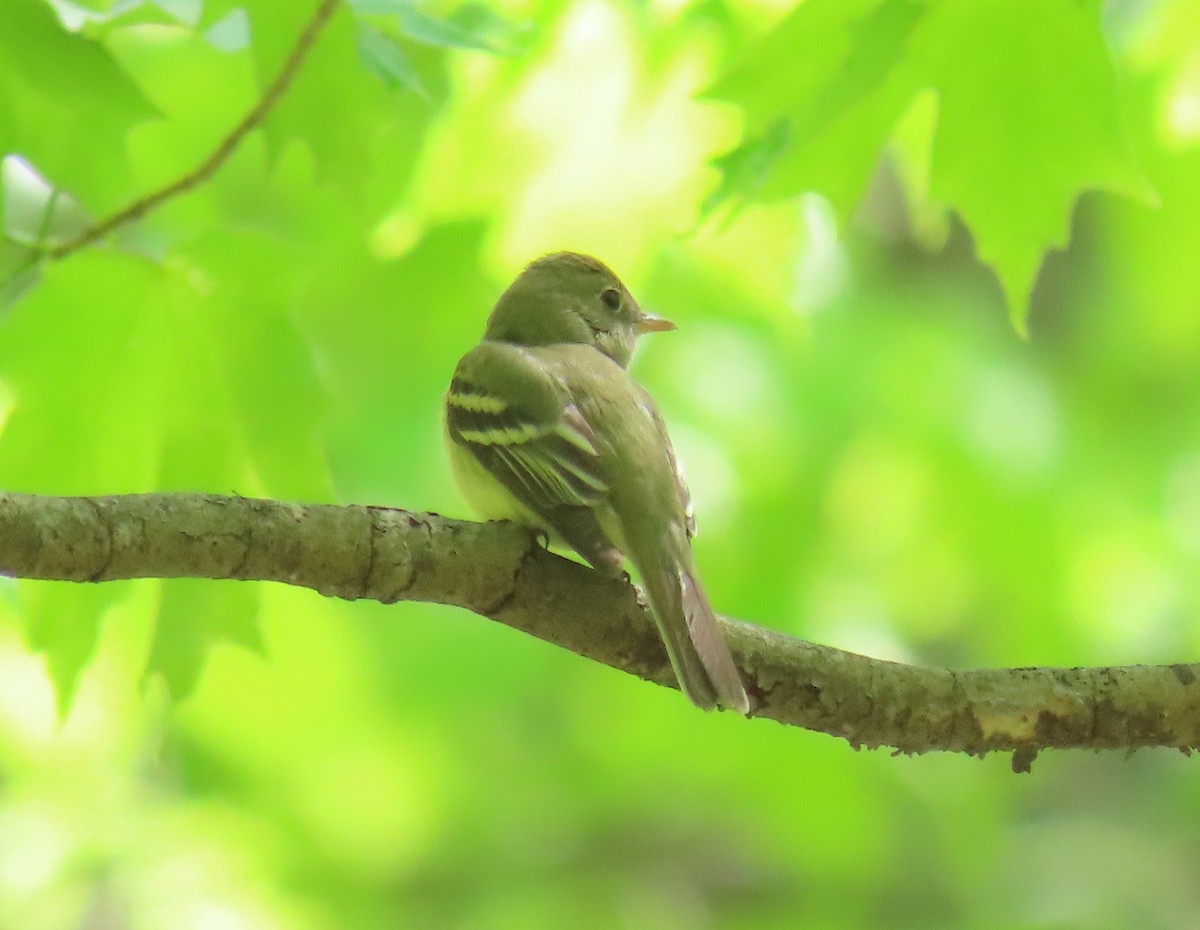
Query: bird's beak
[649, 323]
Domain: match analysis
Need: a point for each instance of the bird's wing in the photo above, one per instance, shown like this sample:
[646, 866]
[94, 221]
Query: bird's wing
[519, 421]
[681, 487]
[517, 418]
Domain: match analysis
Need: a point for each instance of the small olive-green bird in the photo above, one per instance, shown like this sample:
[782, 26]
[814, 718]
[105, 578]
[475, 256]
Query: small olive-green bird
[546, 427]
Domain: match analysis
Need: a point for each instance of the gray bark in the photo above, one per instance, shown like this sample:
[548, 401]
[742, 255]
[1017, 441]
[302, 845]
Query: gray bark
[499, 571]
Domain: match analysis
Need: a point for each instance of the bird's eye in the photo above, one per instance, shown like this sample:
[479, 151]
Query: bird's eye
[611, 298]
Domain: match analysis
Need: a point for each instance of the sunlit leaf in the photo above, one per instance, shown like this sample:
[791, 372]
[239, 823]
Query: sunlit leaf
[421, 27]
[745, 169]
[231, 33]
[36, 213]
[260, 363]
[94, 7]
[170, 385]
[831, 78]
[380, 7]
[213, 11]
[1027, 116]
[186, 11]
[193, 615]
[20, 270]
[67, 105]
[98, 24]
[333, 79]
[74, 355]
[415, 24]
[387, 61]
[489, 28]
[62, 622]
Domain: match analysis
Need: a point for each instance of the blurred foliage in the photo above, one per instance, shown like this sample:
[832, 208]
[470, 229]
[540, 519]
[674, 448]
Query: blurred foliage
[1014, 107]
[839, 201]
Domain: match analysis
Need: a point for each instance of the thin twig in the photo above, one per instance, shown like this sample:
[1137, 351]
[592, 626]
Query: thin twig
[208, 167]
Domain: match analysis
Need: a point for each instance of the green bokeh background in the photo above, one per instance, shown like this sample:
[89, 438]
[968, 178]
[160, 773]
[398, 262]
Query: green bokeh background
[880, 461]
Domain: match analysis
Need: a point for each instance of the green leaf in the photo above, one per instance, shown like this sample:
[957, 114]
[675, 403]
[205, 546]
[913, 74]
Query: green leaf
[745, 169]
[62, 621]
[74, 356]
[67, 106]
[36, 213]
[69, 9]
[379, 7]
[335, 107]
[100, 24]
[186, 11]
[384, 58]
[259, 361]
[421, 27]
[415, 24]
[20, 270]
[142, 378]
[1029, 117]
[821, 94]
[68, 354]
[193, 615]
[231, 33]
[795, 62]
[383, 409]
[500, 35]
[215, 10]
[203, 93]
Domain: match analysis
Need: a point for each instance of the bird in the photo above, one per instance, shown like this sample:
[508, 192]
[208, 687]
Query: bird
[546, 427]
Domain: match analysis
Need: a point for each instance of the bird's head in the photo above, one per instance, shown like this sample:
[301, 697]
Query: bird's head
[566, 297]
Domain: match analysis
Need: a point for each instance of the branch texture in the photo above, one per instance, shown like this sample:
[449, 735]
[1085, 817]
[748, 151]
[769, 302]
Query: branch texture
[499, 571]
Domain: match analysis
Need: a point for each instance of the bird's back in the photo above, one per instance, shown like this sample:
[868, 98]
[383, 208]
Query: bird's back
[636, 460]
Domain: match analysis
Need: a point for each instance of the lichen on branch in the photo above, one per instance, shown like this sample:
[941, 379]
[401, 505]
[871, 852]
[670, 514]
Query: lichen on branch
[499, 571]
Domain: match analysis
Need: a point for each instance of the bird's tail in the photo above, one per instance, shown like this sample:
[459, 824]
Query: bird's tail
[701, 659]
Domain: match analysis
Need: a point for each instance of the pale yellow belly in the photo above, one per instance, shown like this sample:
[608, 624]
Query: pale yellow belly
[484, 493]
[490, 500]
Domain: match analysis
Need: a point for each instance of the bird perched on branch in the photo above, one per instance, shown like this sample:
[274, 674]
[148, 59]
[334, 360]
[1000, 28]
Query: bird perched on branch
[546, 427]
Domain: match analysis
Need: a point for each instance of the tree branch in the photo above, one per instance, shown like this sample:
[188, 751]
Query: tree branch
[207, 168]
[498, 571]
